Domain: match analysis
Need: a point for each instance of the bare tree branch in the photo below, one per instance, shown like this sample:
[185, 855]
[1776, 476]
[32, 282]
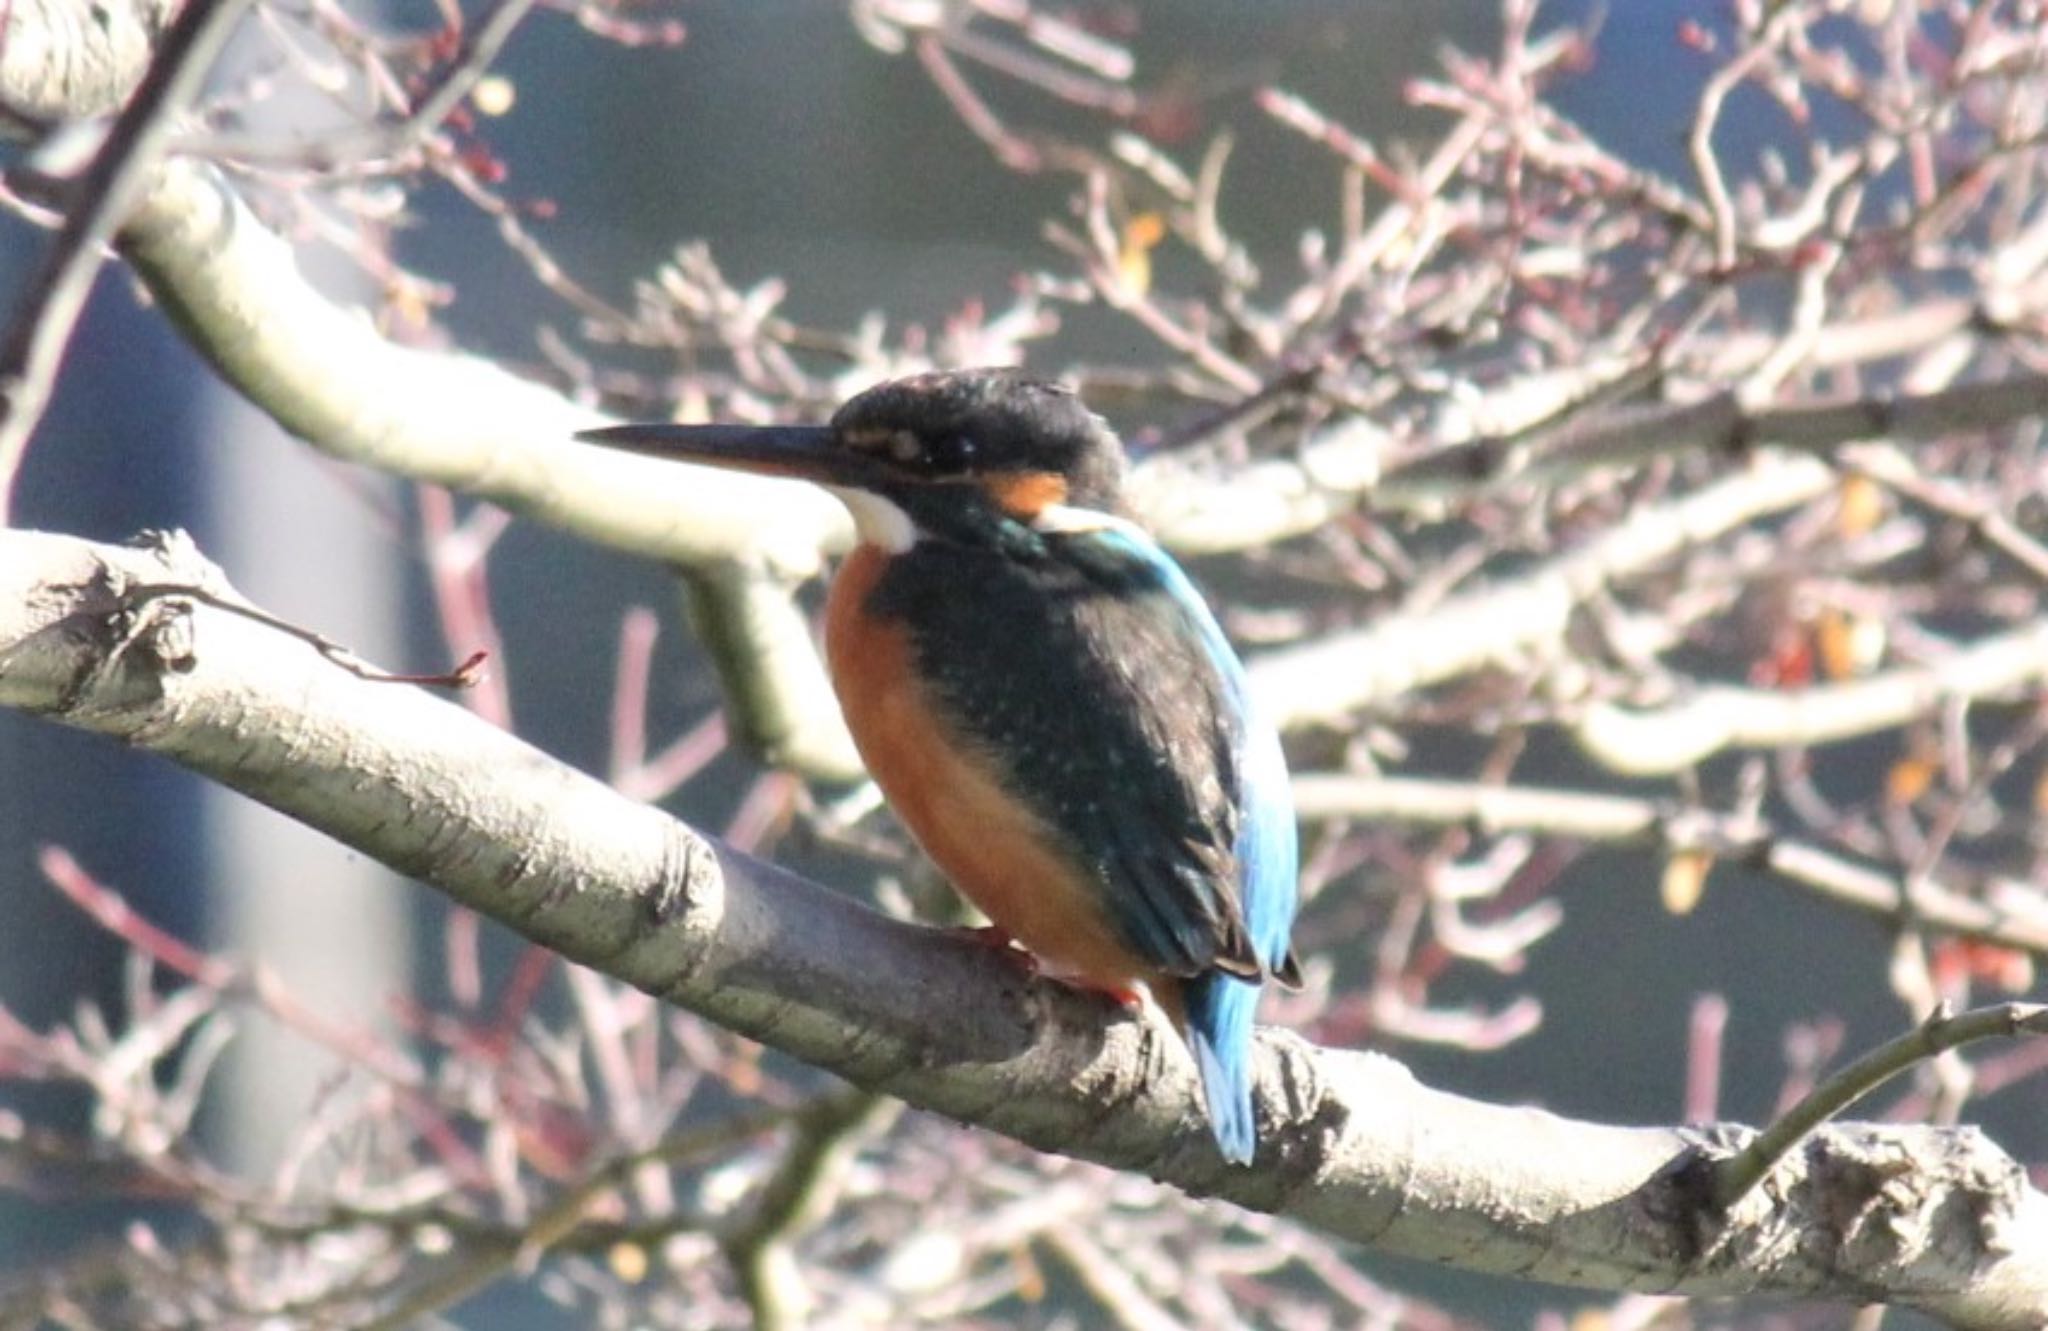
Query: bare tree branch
[463, 422]
[98, 201]
[1522, 618]
[809, 1176]
[2001, 910]
[1645, 741]
[1943, 1030]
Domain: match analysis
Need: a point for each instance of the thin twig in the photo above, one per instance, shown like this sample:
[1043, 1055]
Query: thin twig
[1706, 163]
[100, 200]
[1993, 912]
[1942, 1031]
[793, 1197]
[1896, 472]
[464, 675]
[557, 1226]
[481, 42]
[1636, 434]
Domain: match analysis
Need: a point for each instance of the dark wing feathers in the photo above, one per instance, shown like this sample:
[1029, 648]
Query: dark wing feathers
[1081, 669]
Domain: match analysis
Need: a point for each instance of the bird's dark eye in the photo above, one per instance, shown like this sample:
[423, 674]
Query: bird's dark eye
[949, 453]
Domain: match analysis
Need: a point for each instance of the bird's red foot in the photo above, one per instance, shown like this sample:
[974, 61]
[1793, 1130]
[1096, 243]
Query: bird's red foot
[1128, 997]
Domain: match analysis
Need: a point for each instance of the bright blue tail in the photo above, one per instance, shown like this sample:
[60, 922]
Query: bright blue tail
[1219, 1011]
[1220, 1006]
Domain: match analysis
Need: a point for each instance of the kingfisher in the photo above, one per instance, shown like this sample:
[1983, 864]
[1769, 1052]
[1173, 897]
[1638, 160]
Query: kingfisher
[1045, 700]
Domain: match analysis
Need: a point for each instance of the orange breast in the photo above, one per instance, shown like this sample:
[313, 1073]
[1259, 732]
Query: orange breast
[995, 850]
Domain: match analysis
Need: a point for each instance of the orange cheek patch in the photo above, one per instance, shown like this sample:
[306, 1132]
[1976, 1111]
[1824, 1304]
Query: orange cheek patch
[1026, 494]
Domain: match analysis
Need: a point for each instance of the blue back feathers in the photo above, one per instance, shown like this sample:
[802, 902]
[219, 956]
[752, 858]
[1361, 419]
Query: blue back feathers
[1220, 1006]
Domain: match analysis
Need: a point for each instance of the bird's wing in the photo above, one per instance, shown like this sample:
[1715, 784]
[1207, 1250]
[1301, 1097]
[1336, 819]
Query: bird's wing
[1263, 845]
[1113, 706]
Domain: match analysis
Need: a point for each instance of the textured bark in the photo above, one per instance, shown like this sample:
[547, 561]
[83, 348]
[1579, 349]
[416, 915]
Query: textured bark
[61, 59]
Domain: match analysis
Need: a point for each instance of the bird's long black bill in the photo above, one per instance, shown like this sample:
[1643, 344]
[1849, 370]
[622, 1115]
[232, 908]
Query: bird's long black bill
[810, 452]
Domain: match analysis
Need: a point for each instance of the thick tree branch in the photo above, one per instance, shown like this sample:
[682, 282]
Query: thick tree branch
[455, 420]
[744, 543]
[1936, 1219]
[463, 422]
[61, 60]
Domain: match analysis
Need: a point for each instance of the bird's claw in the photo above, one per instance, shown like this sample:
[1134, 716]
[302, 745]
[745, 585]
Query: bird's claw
[1128, 997]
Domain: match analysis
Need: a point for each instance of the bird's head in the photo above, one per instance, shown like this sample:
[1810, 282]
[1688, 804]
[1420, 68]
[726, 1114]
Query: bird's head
[966, 455]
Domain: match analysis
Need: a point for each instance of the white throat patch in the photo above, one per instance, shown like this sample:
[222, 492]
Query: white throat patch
[876, 520]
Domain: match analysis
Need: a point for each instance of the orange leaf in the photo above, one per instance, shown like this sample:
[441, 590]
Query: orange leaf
[1142, 235]
[628, 1262]
[2006, 969]
[1831, 635]
[1859, 503]
[1907, 781]
[1849, 645]
[1685, 880]
[1030, 1276]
